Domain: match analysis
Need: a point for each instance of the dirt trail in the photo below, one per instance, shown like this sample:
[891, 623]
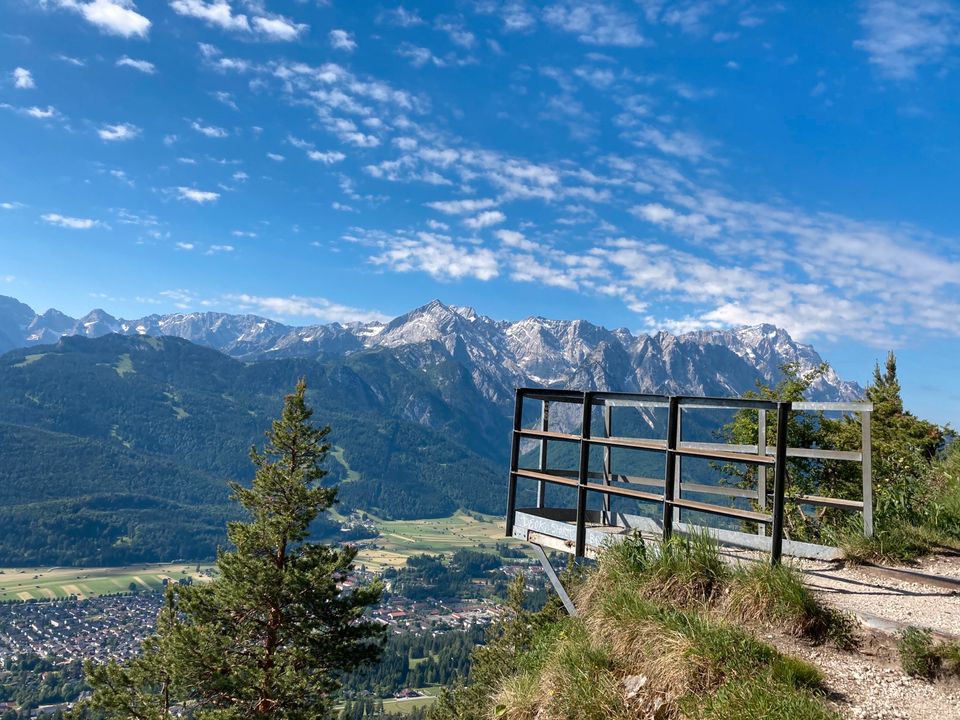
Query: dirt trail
[869, 685]
[855, 589]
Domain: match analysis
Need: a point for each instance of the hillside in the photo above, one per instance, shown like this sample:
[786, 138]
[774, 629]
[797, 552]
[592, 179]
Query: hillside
[133, 440]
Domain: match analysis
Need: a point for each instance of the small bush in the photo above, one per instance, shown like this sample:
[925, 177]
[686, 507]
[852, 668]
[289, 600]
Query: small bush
[921, 657]
[917, 654]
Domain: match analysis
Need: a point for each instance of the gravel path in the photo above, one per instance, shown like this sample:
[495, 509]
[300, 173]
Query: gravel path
[851, 588]
[868, 684]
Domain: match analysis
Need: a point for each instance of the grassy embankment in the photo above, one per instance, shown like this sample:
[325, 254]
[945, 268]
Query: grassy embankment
[671, 634]
[919, 515]
[62, 582]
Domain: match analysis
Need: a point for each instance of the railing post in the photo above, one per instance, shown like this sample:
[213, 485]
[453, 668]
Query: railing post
[545, 426]
[670, 463]
[583, 477]
[866, 467]
[780, 480]
[678, 469]
[762, 469]
[607, 459]
[514, 461]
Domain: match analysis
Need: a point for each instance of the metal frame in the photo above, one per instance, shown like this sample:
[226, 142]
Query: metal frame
[674, 449]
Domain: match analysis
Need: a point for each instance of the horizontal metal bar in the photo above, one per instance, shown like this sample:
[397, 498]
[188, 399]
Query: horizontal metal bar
[718, 490]
[534, 475]
[572, 396]
[728, 456]
[635, 403]
[721, 510]
[725, 447]
[815, 453]
[821, 454]
[606, 397]
[614, 477]
[624, 442]
[625, 492]
[838, 406]
[692, 401]
[547, 435]
[826, 502]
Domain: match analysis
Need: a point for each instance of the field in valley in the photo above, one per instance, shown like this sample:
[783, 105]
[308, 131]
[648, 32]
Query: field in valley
[61, 582]
[399, 539]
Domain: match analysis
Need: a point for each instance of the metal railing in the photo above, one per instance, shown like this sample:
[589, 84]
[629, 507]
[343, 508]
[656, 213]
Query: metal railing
[672, 488]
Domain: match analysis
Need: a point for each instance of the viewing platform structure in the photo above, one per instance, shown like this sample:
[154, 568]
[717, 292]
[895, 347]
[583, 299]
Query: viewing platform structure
[581, 527]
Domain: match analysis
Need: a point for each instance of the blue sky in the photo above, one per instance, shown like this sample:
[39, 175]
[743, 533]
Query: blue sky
[647, 164]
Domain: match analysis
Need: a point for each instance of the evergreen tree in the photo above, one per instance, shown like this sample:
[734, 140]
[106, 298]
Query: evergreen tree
[270, 637]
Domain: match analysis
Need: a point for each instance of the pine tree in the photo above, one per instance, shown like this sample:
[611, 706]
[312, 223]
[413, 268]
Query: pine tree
[270, 637]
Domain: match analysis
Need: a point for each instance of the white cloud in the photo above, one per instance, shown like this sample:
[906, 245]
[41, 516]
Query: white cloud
[279, 28]
[458, 34]
[514, 239]
[438, 256]
[327, 158]
[8, 278]
[219, 13]
[72, 223]
[41, 113]
[214, 249]
[23, 79]
[198, 196]
[114, 17]
[275, 157]
[687, 145]
[10, 205]
[118, 133]
[901, 36]
[143, 66]
[211, 131]
[461, 207]
[485, 219]
[320, 309]
[185, 246]
[400, 17]
[595, 23]
[225, 98]
[243, 233]
[342, 40]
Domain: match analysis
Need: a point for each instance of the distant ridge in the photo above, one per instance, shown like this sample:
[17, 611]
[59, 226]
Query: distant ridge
[499, 355]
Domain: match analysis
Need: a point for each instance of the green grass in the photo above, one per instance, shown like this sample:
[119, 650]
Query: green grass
[657, 636]
[51, 583]
[29, 359]
[337, 453]
[124, 365]
[687, 572]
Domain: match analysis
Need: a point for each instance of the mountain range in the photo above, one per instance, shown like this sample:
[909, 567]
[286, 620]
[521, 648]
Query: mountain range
[499, 355]
[119, 436]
